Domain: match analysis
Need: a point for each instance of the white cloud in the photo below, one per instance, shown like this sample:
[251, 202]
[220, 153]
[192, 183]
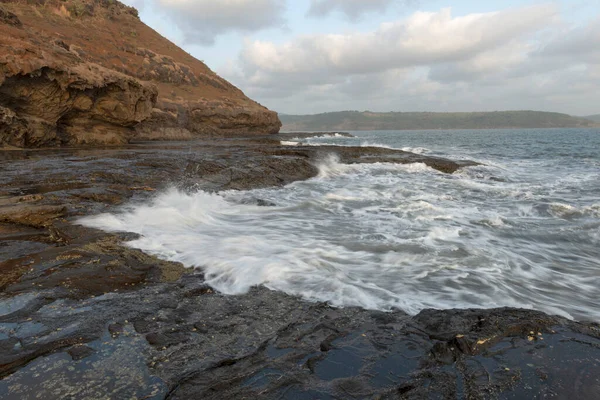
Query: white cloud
[422, 39]
[583, 41]
[201, 21]
[351, 8]
[512, 59]
[502, 59]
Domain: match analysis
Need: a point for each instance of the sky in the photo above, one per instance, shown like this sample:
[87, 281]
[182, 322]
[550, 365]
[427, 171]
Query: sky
[312, 56]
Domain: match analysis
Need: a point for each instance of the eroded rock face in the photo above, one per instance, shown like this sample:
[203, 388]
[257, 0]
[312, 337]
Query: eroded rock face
[59, 105]
[182, 120]
[63, 84]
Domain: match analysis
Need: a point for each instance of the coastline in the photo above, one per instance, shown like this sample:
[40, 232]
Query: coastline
[76, 303]
[349, 131]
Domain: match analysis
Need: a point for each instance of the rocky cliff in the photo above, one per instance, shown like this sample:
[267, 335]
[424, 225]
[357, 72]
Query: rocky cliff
[81, 72]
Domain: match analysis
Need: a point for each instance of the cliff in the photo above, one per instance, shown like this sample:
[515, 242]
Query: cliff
[82, 72]
[366, 121]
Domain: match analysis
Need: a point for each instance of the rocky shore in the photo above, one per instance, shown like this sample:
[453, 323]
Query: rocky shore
[82, 316]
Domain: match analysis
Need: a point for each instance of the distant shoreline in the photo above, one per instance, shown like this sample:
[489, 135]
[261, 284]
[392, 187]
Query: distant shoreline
[349, 131]
[371, 121]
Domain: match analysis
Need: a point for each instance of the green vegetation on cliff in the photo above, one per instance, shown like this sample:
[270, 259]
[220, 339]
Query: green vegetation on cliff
[366, 120]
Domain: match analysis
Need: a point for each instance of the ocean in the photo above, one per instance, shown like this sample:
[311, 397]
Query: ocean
[520, 230]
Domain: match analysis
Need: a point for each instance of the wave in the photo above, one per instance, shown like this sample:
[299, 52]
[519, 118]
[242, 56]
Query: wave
[324, 136]
[331, 166]
[416, 150]
[362, 144]
[332, 135]
[368, 143]
[385, 236]
[567, 211]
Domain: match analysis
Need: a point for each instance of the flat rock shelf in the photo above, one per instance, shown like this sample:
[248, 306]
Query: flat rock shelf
[83, 316]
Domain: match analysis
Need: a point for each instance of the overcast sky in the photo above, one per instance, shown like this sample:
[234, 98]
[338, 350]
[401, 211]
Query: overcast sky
[310, 56]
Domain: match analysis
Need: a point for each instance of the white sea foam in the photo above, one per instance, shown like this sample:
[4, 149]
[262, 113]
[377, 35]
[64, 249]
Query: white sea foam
[323, 136]
[289, 143]
[561, 210]
[361, 144]
[365, 143]
[387, 235]
[330, 135]
[417, 150]
[592, 210]
[495, 221]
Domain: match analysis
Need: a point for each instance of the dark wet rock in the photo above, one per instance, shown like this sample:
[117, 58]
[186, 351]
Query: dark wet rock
[263, 172]
[267, 344]
[115, 329]
[199, 291]
[80, 352]
[265, 203]
[145, 326]
[167, 339]
[32, 348]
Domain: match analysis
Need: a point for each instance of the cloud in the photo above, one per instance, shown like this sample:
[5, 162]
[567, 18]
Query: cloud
[525, 57]
[486, 63]
[201, 21]
[422, 39]
[583, 41]
[353, 9]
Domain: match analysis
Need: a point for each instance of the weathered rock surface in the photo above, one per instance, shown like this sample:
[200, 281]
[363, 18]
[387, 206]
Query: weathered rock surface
[82, 316]
[49, 102]
[64, 84]
[184, 120]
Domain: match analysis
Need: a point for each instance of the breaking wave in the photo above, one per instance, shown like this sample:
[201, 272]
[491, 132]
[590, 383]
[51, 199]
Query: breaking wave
[384, 236]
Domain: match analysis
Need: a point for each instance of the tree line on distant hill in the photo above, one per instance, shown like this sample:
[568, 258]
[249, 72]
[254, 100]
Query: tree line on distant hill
[366, 120]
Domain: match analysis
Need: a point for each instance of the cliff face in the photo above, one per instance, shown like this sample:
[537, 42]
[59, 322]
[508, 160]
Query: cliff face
[90, 72]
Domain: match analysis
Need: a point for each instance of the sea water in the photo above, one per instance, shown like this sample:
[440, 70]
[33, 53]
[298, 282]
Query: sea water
[520, 230]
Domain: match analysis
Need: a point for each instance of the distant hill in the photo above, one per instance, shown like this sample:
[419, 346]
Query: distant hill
[595, 118]
[366, 120]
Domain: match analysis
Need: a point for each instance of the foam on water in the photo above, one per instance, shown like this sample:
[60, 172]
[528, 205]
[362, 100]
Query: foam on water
[383, 236]
[318, 137]
[417, 150]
